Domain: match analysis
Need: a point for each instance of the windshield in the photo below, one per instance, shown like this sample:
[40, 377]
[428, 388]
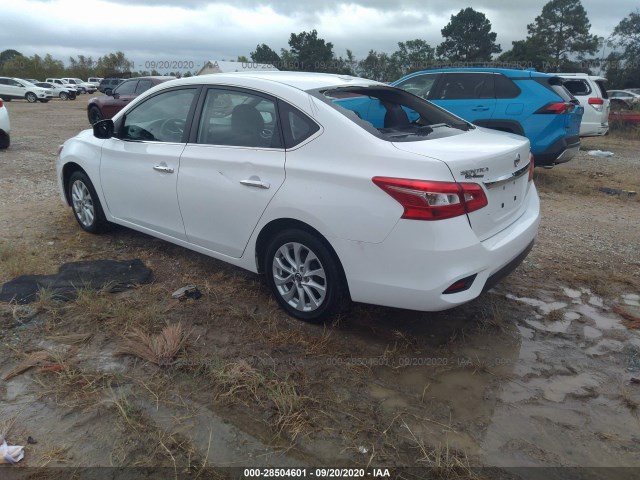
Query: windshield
[391, 113]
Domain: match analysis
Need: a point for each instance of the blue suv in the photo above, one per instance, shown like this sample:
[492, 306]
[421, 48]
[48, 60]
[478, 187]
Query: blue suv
[524, 102]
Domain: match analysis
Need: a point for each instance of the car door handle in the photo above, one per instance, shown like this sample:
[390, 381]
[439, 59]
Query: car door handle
[480, 108]
[163, 168]
[255, 183]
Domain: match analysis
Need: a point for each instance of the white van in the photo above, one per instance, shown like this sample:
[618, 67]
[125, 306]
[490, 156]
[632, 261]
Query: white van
[591, 91]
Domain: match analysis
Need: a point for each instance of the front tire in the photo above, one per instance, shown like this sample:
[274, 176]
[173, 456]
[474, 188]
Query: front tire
[95, 115]
[305, 276]
[31, 97]
[86, 204]
[64, 95]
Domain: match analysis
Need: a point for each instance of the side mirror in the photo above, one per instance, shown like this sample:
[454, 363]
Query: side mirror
[103, 129]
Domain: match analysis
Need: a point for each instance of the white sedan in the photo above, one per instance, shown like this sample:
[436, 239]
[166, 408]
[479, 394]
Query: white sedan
[5, 127]
[336, 188]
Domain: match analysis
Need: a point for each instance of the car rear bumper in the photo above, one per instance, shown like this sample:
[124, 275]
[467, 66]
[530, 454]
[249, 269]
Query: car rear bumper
[593, 129]
[419, 260]
[561, 151]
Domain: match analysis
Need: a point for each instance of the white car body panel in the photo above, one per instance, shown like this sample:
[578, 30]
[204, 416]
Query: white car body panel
[325, 183]
[5, 123]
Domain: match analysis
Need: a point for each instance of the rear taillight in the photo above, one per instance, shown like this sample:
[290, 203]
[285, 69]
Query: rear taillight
[557, 108]
[596, 103]
[426, 200]
[1, 104]
[532, 165]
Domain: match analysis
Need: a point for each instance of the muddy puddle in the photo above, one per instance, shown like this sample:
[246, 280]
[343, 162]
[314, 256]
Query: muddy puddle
[507, 381]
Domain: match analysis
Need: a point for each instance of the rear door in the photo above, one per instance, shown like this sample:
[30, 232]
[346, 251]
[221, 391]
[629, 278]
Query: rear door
[231, 168]
[470, 95]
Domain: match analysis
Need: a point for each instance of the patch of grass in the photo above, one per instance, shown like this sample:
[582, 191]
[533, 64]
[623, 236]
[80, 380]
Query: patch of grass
[161, 348]
[628, 401]
[444, 461]
[17, 259]
[239, 381]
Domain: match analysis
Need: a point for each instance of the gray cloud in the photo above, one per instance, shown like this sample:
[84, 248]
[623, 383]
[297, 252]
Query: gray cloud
[217, 36]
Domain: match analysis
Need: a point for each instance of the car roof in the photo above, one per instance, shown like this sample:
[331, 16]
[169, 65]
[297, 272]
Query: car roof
[576, 75]
[508, 72]
[299, 80]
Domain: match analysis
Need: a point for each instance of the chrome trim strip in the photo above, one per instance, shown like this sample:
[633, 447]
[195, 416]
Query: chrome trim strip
[506, 178]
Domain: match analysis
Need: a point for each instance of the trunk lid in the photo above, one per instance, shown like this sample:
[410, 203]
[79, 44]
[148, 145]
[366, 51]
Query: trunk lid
[495, 160]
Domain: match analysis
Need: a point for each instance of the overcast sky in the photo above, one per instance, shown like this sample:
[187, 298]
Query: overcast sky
[198, 30]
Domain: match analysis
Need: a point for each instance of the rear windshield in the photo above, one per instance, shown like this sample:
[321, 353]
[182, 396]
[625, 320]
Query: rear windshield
[391, 113]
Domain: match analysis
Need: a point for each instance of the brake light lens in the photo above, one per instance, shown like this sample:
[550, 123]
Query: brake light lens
[427, 200]
[596, 103]
[556, 108]
[531, 166]
[1, 104]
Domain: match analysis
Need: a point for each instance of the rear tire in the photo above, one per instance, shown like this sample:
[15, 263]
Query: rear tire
[86, 204]
[5, 140]
[305, 276]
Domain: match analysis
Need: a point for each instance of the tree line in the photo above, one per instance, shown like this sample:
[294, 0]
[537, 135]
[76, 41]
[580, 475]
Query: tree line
[558, 40]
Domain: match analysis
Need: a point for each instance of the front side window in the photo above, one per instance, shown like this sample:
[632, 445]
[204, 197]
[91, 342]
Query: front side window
[238, 118]
[127, 88]
[161, 118]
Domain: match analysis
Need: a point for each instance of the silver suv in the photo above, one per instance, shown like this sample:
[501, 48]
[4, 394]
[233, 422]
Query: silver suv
[591, 91]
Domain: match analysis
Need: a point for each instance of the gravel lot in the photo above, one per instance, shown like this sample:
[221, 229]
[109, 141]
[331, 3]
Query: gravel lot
[542, 371]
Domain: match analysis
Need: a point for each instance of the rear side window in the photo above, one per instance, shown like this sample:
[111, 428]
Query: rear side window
[578, 87]
[419, 85]
[505, 88]
[460, 86]
[143, 86]
[555, 85]
[603, 88]
[296, 126]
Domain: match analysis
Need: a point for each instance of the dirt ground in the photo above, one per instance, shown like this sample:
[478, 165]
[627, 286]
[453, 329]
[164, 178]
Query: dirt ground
[543, 371]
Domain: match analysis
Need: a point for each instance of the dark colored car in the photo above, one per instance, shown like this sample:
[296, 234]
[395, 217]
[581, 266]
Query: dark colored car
[108, 84]
[528, 103]
[107, 106]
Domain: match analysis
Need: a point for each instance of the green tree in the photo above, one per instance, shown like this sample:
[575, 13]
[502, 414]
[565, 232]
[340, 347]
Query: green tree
[623, 68]
[264, 54]
[310, 53]
[243, 59]
[378, 66]
[81, 67]
[7, 55]
[561, 33]
[411, 56]
[468, 38]
[113, 64]
[525, 54]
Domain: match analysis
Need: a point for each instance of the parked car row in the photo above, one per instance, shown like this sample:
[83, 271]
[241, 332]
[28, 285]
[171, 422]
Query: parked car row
[17, 88]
